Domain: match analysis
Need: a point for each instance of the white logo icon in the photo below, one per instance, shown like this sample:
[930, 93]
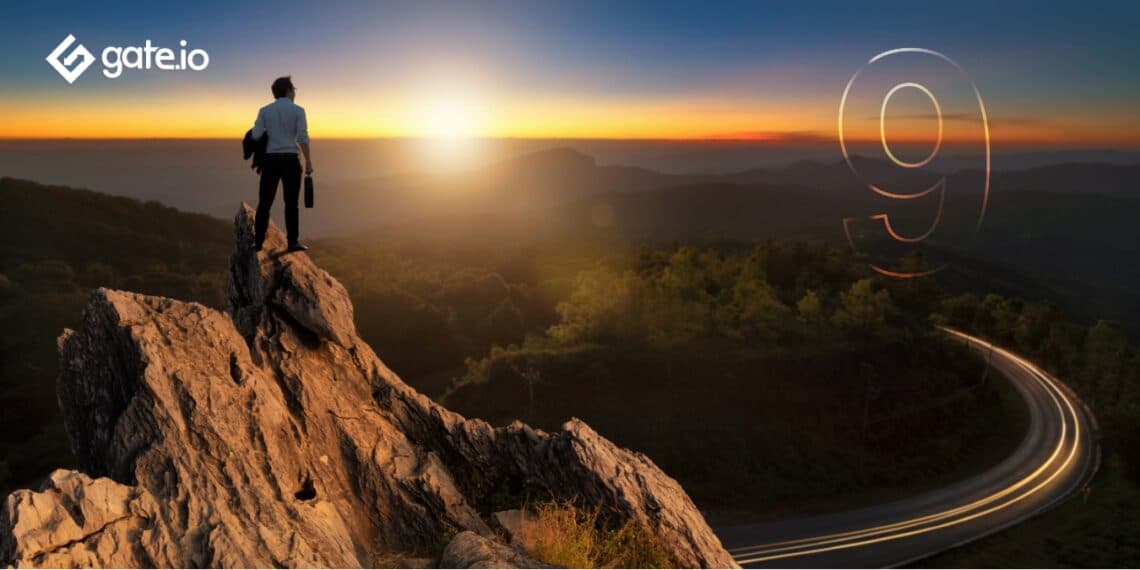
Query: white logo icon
[67, 67]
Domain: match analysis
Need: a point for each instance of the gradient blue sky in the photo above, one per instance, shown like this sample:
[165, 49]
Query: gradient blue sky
[683, 69]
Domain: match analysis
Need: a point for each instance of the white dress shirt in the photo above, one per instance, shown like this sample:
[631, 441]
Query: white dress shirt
[286, 123]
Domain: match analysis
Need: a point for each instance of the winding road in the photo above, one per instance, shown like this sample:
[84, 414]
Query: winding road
[1058, 455]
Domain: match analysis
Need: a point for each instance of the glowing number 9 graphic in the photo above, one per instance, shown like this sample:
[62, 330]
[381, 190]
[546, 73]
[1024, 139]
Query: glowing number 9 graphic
[939, 186]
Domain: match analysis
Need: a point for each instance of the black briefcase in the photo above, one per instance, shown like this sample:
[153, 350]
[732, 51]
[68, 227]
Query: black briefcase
[308, 191]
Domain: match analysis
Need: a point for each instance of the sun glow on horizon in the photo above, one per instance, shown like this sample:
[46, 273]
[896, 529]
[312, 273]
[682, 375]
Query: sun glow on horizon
[459, 116]
[449, 124]
[447, 115]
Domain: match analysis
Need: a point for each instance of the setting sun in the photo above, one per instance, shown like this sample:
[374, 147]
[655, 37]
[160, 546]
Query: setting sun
[448, 116]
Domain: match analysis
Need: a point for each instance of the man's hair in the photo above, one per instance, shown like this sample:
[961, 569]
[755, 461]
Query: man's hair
[282, 85]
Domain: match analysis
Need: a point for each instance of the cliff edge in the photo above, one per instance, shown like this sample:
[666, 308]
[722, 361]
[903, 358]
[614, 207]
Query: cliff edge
[272, 435]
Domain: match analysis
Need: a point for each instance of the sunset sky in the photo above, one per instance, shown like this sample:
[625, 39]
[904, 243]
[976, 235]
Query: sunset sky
[1053, 75]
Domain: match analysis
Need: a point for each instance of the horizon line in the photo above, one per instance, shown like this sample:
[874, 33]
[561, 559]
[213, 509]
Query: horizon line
[711, 140]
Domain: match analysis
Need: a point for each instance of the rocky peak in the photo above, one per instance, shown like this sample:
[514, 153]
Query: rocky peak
[272, 435]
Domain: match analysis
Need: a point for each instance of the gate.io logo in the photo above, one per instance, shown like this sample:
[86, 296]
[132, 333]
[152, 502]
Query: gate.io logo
[67, 67]
[117, 59]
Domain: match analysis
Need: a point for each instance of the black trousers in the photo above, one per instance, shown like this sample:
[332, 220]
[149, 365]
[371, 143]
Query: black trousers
[284, 168]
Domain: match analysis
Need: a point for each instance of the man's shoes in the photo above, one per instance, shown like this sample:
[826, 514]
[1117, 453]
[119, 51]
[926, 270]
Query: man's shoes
[298, 247]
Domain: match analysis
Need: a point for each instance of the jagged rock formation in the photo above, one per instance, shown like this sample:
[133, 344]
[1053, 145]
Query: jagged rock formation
[274, 436]
[469, 550]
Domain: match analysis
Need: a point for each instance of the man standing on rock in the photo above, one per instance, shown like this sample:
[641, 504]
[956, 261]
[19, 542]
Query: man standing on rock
[288, 129]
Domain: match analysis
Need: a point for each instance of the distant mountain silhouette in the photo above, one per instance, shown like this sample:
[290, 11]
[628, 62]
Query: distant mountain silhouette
[562, 174]
[835, 177]
[1076, 247]
[527, 182]
[1069, 225]
[1082, 178]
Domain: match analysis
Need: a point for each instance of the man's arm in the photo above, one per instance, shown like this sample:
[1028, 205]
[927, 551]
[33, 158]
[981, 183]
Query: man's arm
[308, 161]
[303, 139]
[258, 125]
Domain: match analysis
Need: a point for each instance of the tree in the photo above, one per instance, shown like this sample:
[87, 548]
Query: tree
[862, 310]
[1004, 314]
[604, 305]
[750, 309]
[810, 308]
[1105, 349]
[962, 310]
[1032, 326]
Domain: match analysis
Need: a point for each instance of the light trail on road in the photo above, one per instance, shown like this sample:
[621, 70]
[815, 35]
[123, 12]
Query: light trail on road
[1021, 491]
